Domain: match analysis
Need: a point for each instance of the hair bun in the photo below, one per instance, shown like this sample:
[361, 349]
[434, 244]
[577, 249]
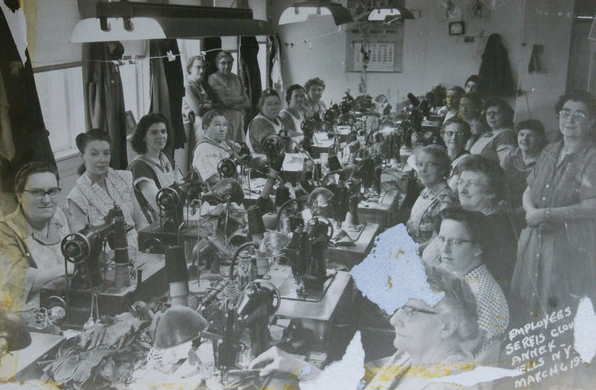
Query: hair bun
[80, 141]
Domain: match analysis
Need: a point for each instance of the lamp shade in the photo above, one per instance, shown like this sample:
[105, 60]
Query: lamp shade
[384, 14]
[300, 12]
[178, 325]
[89, 30]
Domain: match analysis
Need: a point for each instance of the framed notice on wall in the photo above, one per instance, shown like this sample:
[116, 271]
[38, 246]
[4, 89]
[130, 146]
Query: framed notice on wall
[383, 43]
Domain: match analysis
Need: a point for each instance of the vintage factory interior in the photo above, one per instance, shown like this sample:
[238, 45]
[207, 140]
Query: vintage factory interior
[285, 194]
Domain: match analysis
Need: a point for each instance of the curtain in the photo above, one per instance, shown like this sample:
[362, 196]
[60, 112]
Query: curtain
[22, 110]
[104, 98]
[167, 85]
[251, 74]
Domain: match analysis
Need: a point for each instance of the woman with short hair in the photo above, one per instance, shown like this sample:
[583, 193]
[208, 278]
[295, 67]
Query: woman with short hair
[455, 133]
[501, 138]
[470, 110]
[100, 188]
[556, 266]
[153, 168]
[519, 163]
[266, 122]
[462, 237]
[481, 188]
[30, 237]
[433, 167]
[314, 91]
[428, 340]
[213, 147]
[292, 116]
[231, 93]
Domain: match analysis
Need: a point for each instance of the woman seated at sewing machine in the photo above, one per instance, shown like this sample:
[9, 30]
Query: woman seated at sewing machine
[213, 147]
[433, 167]
[30, 253]
[427, 339]
[266, 122]
[292, 116]
[153, 168]
[455, 133]
[101, 188]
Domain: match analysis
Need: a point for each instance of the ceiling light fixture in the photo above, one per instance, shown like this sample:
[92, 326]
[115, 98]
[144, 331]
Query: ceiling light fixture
[128, 20]
[300, 12]
[389, 14]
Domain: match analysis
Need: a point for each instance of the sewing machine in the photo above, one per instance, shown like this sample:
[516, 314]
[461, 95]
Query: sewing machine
[101, 281]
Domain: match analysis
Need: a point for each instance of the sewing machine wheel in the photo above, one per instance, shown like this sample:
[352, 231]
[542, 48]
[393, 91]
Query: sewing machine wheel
[226, 168]
[316, 223]
[272, 145]
[75, 248]
[168, 199]
[265, 284]
[152, 245]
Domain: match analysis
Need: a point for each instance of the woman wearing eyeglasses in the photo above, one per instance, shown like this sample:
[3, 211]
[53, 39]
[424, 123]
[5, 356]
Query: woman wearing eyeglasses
[462, 237]
[231, 93]
[480, 188]
[30, 237]
[557, 249]
[432, 166]
[455, 134]
[428, 340]
[501, 138]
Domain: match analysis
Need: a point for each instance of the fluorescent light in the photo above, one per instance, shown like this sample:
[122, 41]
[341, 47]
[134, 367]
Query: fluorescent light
[89, 30]
[380, 14]
[301, 14]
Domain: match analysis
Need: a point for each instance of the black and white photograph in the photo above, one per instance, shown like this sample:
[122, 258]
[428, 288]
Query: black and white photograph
[297, 194]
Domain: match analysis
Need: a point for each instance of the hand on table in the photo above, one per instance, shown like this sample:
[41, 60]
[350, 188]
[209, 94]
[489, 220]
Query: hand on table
[277, 360]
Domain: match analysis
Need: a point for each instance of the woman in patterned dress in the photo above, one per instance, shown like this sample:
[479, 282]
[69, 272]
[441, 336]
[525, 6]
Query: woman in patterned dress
[433, 167]
[556, 257]
[231, 94]
[100, 188]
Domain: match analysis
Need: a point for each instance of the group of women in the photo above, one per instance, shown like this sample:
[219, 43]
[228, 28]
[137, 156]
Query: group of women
[537, 200]
[503, 211]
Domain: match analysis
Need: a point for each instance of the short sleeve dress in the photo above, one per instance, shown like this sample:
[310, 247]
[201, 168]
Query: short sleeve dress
[556, 266]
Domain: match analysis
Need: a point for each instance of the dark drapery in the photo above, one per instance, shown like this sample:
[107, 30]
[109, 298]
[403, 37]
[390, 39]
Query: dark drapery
[495, 70]
[251, 74]
[104, 98]
[211, 46]
[167, 85]
[27, 128]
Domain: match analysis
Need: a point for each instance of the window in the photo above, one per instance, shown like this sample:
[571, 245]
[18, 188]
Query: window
[61, 97]
[62, 101]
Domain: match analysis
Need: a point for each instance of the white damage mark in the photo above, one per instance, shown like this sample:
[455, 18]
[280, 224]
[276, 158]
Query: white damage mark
[584, 331]
[18, 27]
[393, 273]
[478, 375]
[345, 374]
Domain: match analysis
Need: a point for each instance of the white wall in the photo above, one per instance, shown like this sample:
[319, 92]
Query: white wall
[433, 57]
[549, 23]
